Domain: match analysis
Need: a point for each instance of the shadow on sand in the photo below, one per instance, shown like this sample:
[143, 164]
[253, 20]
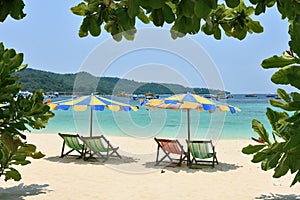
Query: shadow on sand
[175, 168]
[21, 191]
[272, 196]
[93, 161]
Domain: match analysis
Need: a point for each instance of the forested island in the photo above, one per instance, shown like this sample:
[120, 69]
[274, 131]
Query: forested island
[85, 83]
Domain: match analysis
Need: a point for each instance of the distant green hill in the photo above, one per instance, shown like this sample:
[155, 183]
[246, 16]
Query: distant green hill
[86, 83]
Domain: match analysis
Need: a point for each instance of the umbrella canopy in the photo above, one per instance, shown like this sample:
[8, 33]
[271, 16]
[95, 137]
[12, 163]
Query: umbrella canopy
[4, 105]
[95, 102]
[187, 102]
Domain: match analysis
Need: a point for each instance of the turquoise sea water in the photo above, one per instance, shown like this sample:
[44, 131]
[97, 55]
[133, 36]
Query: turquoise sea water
[165, 123]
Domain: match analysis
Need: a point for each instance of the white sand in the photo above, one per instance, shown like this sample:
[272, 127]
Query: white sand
[136, 177]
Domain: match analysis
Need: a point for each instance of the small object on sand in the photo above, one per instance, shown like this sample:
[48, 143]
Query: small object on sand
[162, 171]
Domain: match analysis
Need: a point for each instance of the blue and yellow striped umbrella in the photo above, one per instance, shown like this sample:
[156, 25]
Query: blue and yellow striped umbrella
[189, 102]
[4, 105]
[95, 102]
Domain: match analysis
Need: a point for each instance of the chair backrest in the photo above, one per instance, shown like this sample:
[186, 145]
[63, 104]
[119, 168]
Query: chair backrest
[95, 143]
[201, 149]
[171, 146]
[72, 141]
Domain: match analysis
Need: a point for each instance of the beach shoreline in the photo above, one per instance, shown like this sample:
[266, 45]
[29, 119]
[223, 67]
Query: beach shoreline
[135, 176]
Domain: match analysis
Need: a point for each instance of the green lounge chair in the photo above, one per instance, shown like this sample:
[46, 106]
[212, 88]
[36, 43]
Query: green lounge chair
[203, 152]
[170, 147]
[100, 146]
[73, 142]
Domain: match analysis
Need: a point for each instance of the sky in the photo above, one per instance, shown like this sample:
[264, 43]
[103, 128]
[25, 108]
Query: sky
[48, 38]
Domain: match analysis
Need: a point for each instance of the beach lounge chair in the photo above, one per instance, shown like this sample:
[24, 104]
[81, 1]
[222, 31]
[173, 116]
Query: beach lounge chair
[100, 146]
[73, 142]
[203, 152]
[170, 147]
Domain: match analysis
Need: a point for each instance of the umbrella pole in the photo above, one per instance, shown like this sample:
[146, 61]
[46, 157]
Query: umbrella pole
[91, 122]
[189, 136]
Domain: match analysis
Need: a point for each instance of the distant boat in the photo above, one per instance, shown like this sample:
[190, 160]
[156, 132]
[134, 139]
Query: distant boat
[217, 96]
[250, 95]
[122, 94]
[277, 97]
[223, 96]
[271, 95]
[134, 97]
[149, 95]
[208, 96]
[25, 93]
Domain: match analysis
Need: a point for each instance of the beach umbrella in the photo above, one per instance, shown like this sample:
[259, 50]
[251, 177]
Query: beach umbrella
[94, 102]
[4, 105]
[188, 102]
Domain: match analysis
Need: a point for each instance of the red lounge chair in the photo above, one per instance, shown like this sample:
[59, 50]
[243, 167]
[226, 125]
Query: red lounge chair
[170, 147]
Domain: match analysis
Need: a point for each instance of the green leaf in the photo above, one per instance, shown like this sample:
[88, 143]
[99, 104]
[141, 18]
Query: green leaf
[232, 3]
[295, 96]
[28, 148]
[294, 118]
[38, 155]
[260, 8]
[168, 14]
[157, 17]
[274, 117]
[217, 33]
[277, 62]
[287, 75]
[1, 154]
[94, 28]
[296, 179]
[284, 95]
[294, 163]
[250, 149]
[21, 162]
[273, 160]
[83, 31]
[143, 17]
[255, 26]
[133, 8]
[4, 10]
[187, 7]
[202, 9]
[19, 157]
[157, 4]
[17, 7]
[260, 129]
[254, 1]
[258, 157]
[277, 103]
[80, 9]
[12, 174]
[293, 142]
[129, 35]
[282, 168]
[295, 36]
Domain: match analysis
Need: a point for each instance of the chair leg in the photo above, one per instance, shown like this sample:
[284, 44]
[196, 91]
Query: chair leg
[62, 151]
[167, 155]
[115, 151]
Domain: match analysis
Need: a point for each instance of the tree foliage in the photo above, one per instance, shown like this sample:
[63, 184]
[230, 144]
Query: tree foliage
[16, 115]
[14, 8]
[281, 152]
[186, 17]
